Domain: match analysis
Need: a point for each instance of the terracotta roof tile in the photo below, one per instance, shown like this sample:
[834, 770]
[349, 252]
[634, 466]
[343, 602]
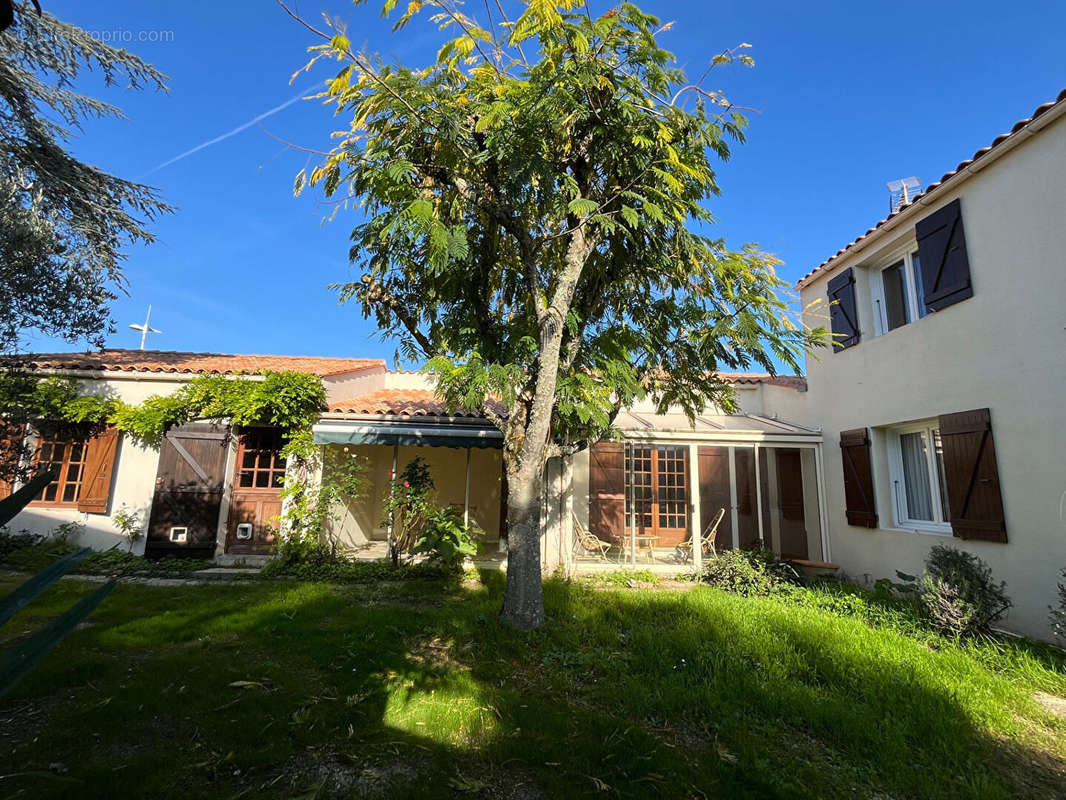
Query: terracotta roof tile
[788, 381]
[1040, 111]
[187, 363]
[425, 403]
[399, 403]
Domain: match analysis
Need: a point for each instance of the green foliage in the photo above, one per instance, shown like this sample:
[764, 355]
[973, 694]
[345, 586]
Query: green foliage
[407, 505]
[64, 224]
[749, 573]
[290, 400]
[325, 564]
[445, 539]
[958, 593]
[31, 553]
[129, 525]
[310, 512]
[624, 577]
[487, 175]
[1057, 615]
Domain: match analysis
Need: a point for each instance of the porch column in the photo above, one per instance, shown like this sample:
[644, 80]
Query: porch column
[628, 450]
[694, 483]
[823, 522]
[466, 494]
[392, 482]
[758, 496]
[734, 515]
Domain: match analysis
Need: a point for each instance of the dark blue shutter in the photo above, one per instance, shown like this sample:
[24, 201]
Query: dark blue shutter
[843, 316]
[942, 252]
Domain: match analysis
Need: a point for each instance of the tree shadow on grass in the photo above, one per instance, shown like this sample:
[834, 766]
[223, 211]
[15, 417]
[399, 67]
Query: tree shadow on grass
[283, 689]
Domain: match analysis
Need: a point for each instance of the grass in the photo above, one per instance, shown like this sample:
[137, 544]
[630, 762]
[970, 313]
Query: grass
[416, 689]
[38, 555]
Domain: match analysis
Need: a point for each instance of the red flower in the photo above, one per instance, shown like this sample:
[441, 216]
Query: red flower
[406, 485]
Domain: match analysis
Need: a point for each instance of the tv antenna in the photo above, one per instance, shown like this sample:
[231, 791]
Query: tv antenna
[902, 192]
[145, 329]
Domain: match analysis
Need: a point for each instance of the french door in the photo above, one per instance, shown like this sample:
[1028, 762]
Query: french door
[657, 492]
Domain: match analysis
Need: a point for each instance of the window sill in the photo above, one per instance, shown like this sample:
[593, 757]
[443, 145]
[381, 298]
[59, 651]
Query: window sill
[927, 530]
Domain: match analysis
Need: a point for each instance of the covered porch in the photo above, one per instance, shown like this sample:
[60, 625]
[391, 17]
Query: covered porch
[672, 493]
[464, 463]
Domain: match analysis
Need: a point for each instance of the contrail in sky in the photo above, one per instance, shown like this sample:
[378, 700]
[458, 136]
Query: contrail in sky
[233, 132]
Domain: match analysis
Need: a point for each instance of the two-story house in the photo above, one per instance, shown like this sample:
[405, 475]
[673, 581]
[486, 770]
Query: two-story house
[947, 383]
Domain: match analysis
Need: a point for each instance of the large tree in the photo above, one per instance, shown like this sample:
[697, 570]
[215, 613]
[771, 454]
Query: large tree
[63, 223]
[535, 230]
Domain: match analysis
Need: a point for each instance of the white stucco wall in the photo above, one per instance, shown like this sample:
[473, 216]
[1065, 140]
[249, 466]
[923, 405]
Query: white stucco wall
[353, 384]
[133, 479]
[1004, 349]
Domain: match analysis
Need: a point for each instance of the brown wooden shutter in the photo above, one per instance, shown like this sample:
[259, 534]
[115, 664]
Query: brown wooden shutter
[99, 467]
[607, 490]
[713, 471]
[858, 478]
[942, 253]
[843, 311]
[971, 476]
[11, 451]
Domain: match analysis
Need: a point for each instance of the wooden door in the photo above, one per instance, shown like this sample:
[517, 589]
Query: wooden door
[747, 519]
[188, 491]
[715, 493]
[790, 503]
[258, 475]
[659, 492]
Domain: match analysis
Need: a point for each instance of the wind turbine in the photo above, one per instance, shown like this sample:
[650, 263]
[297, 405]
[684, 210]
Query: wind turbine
[145, 329]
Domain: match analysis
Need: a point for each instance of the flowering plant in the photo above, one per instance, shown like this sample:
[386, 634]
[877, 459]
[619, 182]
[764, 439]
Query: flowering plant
[407, 505]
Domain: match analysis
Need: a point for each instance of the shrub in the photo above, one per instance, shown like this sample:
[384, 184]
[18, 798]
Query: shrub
[67, 532]
[129, 525]
[407, 505]
[445, 539]
[749, 572]
[957, 592]
[332, 567]
[1058, 614]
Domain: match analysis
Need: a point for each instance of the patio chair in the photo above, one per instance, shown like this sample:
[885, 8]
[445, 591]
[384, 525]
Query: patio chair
[589, 542]
[684, 550]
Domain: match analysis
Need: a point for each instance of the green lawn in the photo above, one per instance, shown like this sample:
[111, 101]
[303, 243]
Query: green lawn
[415, 689]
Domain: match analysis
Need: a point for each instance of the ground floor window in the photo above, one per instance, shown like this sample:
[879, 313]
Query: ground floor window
[919, 490]
[259, 459]
[67, 458]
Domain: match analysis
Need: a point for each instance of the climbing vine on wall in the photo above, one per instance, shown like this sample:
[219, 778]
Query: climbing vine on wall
[292, 401]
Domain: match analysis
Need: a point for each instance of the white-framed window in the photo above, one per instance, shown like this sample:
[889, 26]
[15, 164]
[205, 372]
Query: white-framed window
[897, 292]
[919, 491]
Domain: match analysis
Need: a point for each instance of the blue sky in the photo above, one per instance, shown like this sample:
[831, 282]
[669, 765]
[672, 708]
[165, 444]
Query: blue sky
[849, 96]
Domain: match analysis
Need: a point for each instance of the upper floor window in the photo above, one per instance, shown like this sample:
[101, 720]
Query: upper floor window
[897, 294]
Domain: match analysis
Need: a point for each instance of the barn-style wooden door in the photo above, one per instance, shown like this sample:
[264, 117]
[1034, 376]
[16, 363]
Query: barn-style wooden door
[658, 497]
[188, 491]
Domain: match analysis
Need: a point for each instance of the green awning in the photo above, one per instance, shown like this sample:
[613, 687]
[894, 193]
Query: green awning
[362, 432]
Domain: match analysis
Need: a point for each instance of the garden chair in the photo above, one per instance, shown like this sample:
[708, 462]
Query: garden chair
[684, 550]
[588, 541]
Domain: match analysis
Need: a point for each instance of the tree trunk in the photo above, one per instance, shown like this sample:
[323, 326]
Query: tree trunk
[523, 600]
